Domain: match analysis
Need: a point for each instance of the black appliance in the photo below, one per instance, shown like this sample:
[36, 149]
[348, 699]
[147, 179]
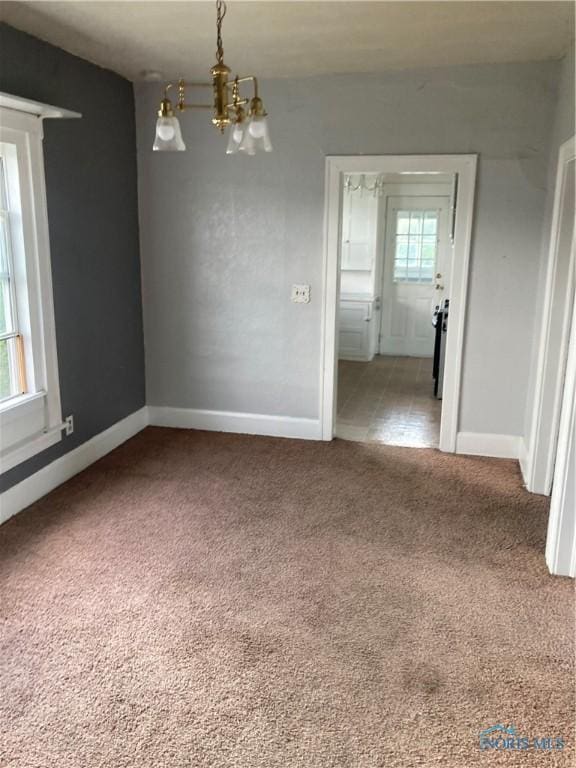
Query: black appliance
[440, 323]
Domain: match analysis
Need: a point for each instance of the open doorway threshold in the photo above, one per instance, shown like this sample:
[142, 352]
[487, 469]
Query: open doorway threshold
[388, 400]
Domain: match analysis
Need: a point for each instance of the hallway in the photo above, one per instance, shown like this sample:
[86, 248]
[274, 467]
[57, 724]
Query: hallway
[388, 400]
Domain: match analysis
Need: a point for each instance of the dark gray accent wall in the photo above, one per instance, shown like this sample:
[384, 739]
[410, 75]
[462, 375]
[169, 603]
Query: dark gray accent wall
[93, 219]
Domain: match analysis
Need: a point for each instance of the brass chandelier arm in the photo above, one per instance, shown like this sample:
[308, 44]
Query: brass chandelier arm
[232, 85]
[247, 79]
[181, 106]
[182, 85]
[256, 106]
[237, 103]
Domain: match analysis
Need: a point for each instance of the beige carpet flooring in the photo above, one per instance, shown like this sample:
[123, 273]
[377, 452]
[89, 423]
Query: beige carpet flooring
[200, 600]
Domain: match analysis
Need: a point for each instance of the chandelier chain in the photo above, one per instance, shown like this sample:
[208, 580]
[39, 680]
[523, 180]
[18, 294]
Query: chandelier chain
[220, 13]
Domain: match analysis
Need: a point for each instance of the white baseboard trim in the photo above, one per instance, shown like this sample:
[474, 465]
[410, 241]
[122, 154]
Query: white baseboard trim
[229, 421]
[480, 444]
[356, 358]
[52, 475]
[524, 460]
[31, 489]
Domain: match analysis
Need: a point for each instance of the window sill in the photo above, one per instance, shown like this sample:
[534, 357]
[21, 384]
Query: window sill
[19, 402]
[20, 452]
[24, 432]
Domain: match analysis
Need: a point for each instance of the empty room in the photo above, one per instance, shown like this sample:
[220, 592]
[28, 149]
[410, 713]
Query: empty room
[287, 384]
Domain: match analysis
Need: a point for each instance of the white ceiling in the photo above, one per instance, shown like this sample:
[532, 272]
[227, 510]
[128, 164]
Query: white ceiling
[287, 39]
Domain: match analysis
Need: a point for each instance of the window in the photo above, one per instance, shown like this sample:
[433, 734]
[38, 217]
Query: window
[30, 413]
[12, 363]
[416, 245]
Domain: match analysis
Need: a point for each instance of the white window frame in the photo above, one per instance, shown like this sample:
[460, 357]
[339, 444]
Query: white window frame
[32, 422]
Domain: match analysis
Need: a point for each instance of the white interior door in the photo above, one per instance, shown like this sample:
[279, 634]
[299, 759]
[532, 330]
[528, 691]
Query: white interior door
[417, 263]
[561, 540]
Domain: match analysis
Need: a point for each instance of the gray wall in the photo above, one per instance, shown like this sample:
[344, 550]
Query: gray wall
[93, 221]
[563, 129]
[224, 237]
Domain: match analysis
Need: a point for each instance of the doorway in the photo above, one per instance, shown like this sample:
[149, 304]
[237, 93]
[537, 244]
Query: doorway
[549, 465]
[538, 464]
[397, 244]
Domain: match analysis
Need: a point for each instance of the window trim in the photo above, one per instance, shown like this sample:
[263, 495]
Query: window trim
[25, 130]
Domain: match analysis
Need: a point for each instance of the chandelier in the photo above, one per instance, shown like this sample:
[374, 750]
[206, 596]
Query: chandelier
[362, 185]
[248, 128]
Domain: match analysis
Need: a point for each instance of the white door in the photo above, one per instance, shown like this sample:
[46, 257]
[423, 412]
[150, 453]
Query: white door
[561, 540]
[417, 263]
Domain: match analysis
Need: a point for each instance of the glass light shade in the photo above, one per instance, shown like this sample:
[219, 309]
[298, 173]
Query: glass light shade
[235, 136]
[248, 144]
[258, 130]
[168, 135]
[238, 132]
[258, 126]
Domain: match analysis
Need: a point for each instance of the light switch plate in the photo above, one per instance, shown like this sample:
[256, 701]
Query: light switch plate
[300, 294]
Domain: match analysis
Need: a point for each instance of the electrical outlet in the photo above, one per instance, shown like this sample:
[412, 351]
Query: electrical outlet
[300, 294]
[69, 421]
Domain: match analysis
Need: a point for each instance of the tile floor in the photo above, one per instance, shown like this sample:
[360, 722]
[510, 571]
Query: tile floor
[388, 400]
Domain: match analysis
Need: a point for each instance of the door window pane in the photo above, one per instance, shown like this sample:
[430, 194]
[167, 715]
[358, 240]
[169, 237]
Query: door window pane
[416, 222]
[403, 223]
[430, 222]
[415, 246]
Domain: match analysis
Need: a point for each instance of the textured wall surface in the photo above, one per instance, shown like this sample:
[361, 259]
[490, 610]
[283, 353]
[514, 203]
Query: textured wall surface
[224, 237]
[93, 220]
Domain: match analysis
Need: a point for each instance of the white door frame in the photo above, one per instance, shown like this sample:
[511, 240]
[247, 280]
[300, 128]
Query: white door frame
[336, 168]
[561, 538]
[538, 465]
